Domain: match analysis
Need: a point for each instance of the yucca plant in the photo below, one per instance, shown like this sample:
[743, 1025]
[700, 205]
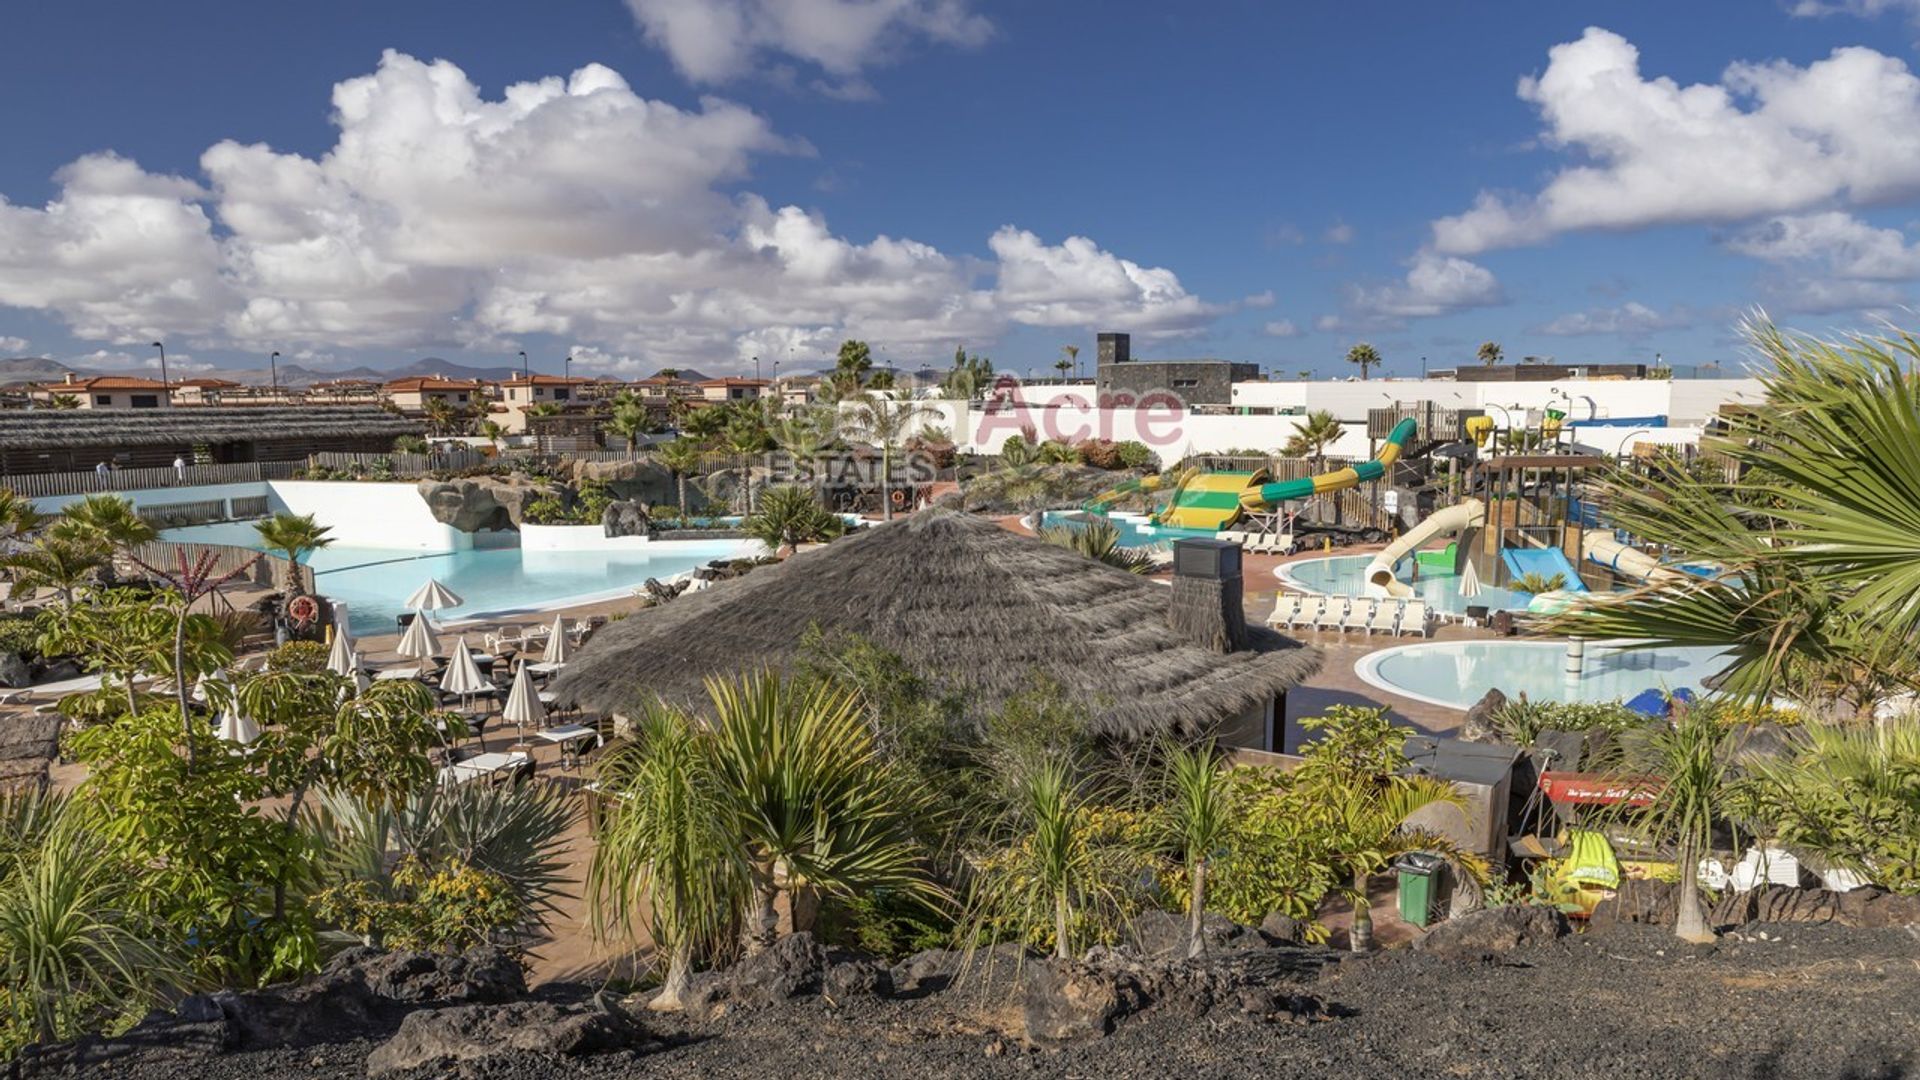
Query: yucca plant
[1688, 764]
[666, 846]
[1197, 817]
[1098, 540]
[791, 515]
[72, 939]
[1851, 795]
[810, 797]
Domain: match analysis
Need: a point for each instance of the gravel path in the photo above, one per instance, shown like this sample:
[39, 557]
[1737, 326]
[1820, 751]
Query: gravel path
[1772, 1002]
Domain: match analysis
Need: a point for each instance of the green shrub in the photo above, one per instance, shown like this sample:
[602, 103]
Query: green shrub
[1099, 453]
[306, 657]
[18, 634]
[1136, 455]
[1521, 722]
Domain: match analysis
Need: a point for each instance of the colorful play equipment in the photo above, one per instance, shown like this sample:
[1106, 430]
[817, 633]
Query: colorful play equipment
[1208, 500]
[1261, 497]
[1215, 500]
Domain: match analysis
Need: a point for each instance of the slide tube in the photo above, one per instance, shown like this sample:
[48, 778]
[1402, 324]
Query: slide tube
[1467, 514]
[1602, 548]
[1265, 496]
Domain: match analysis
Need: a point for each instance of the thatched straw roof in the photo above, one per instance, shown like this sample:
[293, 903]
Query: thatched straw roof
[30, 429]
[967, 603]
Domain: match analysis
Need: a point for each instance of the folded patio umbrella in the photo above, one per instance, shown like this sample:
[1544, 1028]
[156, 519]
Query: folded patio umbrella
[340, 659]
[433, 596]
[523, 704]
[419, 642]
[463, 675]
[557, 648]
[237, 727]
[1470, 581]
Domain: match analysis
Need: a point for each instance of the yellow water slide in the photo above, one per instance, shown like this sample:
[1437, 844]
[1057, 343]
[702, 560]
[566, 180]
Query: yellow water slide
[1208, 500]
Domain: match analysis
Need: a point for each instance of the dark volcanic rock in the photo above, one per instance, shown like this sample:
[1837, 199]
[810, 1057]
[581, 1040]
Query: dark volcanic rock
[468, 1033]
[1478, 726]
[1068, 1002]
[1164, 933]
[14, 671]
[1283, 929]
[1494, 930]
[474, 505]
[626, 519]
[1652, 903]
[851, 979]
[792, 966]
[479, 975]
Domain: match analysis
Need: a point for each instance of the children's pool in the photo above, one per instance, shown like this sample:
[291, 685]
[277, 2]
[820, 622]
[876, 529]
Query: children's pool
[1455, 674]
[1345, 575]
[494, 582]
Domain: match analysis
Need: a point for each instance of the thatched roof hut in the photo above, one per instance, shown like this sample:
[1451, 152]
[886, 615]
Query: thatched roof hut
[969, 604]
[51, 440]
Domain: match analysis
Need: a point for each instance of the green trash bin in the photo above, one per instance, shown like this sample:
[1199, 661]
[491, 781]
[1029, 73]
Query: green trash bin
[1421, 880]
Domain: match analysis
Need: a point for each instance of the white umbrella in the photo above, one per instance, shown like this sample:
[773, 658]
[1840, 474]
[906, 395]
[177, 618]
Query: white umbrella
[1469, 581]
[418, 643]
[205, 683]
[463, 675]
[340, 659]
[361, 683]
[557, 648]
[236, 726]
[433, 596]
[523, 704]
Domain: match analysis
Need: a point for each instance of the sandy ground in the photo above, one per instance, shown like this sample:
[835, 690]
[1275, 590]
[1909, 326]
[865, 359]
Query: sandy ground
[569, 952]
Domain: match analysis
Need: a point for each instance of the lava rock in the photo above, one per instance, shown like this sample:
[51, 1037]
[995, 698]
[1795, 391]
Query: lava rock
[856, 978]
[14, 671]
[1164, 933]
[626, 519]
[1280, 928]
[792, 966]
[481, 503]
[470, 1033]
[481, 975]
[1066, 1003]
[1495, 930]
[1478, 725]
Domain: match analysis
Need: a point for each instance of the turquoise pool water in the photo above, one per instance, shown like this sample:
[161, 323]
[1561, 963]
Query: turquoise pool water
[373, 582]
[1135, 530]
[1345, 575]
[1458, 673]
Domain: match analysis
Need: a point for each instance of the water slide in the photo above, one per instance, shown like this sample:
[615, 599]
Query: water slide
[1602, 548]
[1464, 515]
[1545, 561]
[1259, 497]
[1207, 500]
[1140, 485]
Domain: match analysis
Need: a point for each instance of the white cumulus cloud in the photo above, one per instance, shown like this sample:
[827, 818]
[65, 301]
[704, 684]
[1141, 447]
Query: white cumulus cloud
[1836, 242]
[1768, 138]
[715, 41]
[13, 346]
[1281, 328]
[1434, 284]
[568, 206]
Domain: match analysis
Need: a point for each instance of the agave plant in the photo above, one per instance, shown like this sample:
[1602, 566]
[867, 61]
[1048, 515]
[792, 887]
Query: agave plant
[1690, 762]
[1098, 540]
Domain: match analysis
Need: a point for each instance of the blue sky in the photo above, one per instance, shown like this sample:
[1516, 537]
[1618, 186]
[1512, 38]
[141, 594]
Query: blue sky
[703, 182]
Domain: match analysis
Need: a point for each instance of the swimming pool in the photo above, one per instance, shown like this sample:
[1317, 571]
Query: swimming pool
[1345, 575]
[1135, 529]
[495, 582]
[1455, 674]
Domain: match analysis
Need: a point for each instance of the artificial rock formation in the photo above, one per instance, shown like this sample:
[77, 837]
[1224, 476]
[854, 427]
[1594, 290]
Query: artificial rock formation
[482, 503]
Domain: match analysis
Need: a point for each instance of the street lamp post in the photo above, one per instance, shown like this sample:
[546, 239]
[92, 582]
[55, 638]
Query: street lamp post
[566, 368]
[756, 368]
[526, 372]
[163, 363]
[273, 373]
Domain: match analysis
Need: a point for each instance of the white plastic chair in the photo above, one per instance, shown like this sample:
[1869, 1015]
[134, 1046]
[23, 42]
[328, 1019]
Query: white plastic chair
[1417, 619]
[1285, 608]
[1386, 618]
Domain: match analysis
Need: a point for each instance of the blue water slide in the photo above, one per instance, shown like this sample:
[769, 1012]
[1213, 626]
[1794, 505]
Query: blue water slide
[1543, 561]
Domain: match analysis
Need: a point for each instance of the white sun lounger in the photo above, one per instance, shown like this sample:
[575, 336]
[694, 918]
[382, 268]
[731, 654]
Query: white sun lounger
[1417, 619]
[1331, 613]
[1386, 618]
[1358, 612]
[1285, 607]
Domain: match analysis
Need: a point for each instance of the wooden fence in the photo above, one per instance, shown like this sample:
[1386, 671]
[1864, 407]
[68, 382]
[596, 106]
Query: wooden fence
[174, 515]
[259, 567]
[42, 485]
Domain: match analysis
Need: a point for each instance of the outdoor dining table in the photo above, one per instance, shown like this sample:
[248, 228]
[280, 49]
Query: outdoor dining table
[545, 667]
[395, 674]
[480, 767]
[568, 737]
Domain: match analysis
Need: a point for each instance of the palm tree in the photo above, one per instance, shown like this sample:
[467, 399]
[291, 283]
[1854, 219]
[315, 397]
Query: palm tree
[294, 537]
[1197, 809]
[1311, 438]
[18, 516]
[63, 565]
[1533, 583]
[629, 422]
[1063, 365]
[1490, 353]
[493, 432]
[1364, 355]
[884, 422]
[851, 367]
[1073, 355]
[1098, 540]
[441, 416]
[1690, 760]
[745, 437]
[791, 515]
[109, 519]
[682, 457]
[810, 796]
[666, 841]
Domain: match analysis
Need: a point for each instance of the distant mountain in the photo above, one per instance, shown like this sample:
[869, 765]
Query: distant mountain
[29, 369]
[433, 365]
[685, 373]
